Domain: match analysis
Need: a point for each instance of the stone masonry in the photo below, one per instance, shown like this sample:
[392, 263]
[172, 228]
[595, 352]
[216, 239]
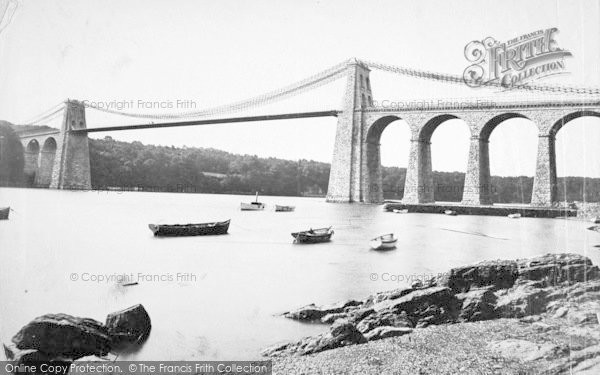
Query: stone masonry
[63, 160]
[356, 165]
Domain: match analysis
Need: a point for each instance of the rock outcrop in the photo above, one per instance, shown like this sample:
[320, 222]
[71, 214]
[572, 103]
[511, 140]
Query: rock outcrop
[62, 338]
[131, 325]
[64, 335]
[563, 285]
[341, 333]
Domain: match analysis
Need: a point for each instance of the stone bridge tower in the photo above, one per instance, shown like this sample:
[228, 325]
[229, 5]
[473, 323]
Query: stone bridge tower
[71, 168]
[345, 179]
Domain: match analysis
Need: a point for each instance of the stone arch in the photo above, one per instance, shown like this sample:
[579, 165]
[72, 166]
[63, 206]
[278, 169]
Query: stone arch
[491, 124]
[425, 167]
[545, 185]
[426, 131]
[478, 182]
[31, 167]
[47, 156]
[571, 116]
[372, 164]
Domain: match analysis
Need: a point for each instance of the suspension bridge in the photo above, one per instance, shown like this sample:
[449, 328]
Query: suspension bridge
[60, 158]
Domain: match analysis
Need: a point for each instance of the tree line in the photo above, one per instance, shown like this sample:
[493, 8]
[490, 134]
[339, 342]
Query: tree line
[190, 169]
[135, 166]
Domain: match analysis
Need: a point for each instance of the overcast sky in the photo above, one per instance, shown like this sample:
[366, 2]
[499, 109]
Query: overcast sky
[207, 53]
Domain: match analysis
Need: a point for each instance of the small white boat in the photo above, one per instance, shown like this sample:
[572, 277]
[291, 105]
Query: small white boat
[397, 211]
[384, 242]
[595, 220]
[252, 206]
[515, 216]
[450, 212]
[279, 208]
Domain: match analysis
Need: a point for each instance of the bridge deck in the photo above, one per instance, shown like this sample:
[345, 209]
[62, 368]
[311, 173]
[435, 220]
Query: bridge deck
[285, 116]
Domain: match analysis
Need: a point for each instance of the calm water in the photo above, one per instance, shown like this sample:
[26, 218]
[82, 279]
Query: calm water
[241, 281]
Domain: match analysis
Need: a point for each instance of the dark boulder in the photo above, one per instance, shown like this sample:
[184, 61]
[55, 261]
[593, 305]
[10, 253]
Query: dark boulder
[522, 300]
[62, 335]
[497, 274]
[435, 305]
[554, 269]
[131, 325]
[477, 304]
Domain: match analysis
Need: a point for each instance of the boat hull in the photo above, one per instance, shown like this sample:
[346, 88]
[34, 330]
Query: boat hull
[279, 208]
[380, 245]
[4, 211]
[178, 230]
[252, 206]
[313, 236]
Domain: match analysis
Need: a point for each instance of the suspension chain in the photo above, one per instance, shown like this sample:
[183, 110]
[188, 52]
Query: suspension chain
[294, 89]
[454, 79]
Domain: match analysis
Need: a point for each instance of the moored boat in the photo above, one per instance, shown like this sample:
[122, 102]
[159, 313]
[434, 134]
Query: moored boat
[397, 211]
[313, 235]
[384, 242]
[450, 212]
[252, 206]
[202, 229]
[279, 208]
[515, 216]
[595, 228]
[595, 220]
[4, 211]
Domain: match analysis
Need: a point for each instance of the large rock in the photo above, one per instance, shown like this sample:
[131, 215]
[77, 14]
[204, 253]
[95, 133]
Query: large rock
[498, 274]
[477, 304]
[387, 295]
[435, 305]
[313, 312]
[62, 335]
[131, 325]
[554, 269]
[341, 333]
[521, 300]
[384, 318]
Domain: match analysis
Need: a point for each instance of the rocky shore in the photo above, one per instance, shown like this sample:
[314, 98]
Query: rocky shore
[63, 338]
[537, 315]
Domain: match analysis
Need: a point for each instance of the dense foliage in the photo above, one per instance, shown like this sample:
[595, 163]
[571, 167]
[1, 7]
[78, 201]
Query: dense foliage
[162, 168]
[11, 156]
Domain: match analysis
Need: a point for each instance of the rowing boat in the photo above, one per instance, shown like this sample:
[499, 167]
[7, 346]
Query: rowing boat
[313, 235]
[384, 242]
[202, 229]
[252, 206]
[515, 216]
[279, 208]
[450, 212]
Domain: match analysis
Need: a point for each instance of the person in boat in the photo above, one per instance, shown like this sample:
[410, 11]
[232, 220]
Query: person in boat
[311, 231]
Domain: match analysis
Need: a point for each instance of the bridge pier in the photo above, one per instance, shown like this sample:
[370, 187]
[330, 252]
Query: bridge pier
[477, 187]
[71, 168]
[544, 192]
[418, 186]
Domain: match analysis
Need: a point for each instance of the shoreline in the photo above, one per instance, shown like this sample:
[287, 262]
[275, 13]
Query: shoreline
[536, 315]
